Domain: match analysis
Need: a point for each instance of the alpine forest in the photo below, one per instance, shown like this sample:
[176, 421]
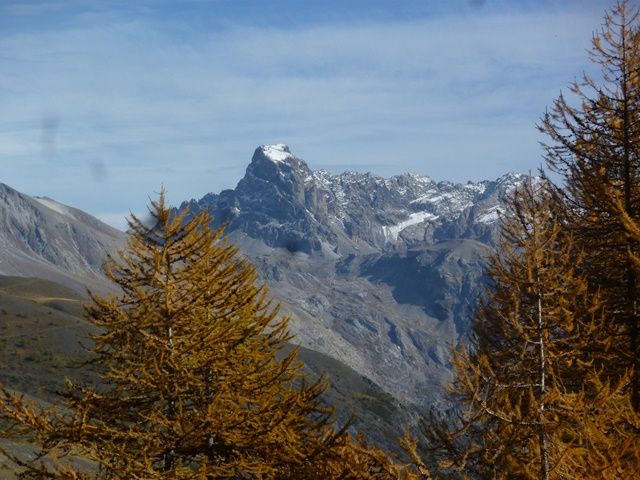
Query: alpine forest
[197, 376]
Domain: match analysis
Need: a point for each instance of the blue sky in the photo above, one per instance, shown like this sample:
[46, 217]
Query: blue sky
[104, 101]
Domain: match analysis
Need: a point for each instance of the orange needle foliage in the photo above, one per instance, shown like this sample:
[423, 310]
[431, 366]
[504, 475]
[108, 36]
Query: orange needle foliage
[595, 147]
[532, 402]
[191, 385]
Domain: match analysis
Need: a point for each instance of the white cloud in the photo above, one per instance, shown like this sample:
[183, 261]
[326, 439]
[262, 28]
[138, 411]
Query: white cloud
[454, 97]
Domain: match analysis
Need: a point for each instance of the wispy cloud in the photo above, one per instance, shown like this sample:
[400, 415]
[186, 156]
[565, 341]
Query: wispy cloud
[152, 101]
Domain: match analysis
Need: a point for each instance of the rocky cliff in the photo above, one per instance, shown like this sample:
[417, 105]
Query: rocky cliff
[380, 273]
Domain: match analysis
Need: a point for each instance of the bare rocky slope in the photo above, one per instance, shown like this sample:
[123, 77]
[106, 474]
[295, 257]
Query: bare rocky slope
[42, 238]
[379, 273]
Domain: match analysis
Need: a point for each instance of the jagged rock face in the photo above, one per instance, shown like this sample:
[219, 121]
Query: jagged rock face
[284, 203]
[42, 238]
[379, 273]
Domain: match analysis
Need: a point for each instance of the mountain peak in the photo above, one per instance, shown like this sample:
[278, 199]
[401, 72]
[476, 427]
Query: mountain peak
[276, 153]
[512, 177]
[368, 264]
[271, 161]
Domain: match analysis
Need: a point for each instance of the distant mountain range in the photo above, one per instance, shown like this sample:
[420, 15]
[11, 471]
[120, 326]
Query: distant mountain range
[379, 273]
[282, 202]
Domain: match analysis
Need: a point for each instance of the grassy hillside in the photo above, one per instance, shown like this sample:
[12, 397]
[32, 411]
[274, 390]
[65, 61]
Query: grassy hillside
[41, 330]
[42, 333]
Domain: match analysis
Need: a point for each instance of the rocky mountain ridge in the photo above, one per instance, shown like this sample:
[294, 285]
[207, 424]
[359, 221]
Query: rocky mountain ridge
[40, 237]
[281, 201]
[380, 273]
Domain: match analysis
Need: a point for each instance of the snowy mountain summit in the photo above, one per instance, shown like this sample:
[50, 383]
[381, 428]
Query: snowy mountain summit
[283, 202]
[277, 153]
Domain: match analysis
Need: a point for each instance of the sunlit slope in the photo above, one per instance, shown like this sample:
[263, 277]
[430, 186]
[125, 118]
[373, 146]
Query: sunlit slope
[43, 335]
[43, 238]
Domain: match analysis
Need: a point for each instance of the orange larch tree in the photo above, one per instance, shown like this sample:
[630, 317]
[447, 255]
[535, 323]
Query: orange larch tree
[594, 144]
[192, 385]
[532, 332]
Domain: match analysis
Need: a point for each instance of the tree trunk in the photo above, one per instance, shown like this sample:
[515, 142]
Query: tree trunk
[542, 435]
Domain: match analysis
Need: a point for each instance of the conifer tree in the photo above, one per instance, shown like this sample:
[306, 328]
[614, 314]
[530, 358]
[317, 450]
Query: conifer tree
[602, 438]
[357, 460]
[595, 147]
[191, 383]
[527, 354]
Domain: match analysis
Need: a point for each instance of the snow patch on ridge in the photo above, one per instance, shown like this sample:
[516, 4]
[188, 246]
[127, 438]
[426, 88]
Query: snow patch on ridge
[491, 216]
[277, 153]
[55, 206]
[392, 232]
